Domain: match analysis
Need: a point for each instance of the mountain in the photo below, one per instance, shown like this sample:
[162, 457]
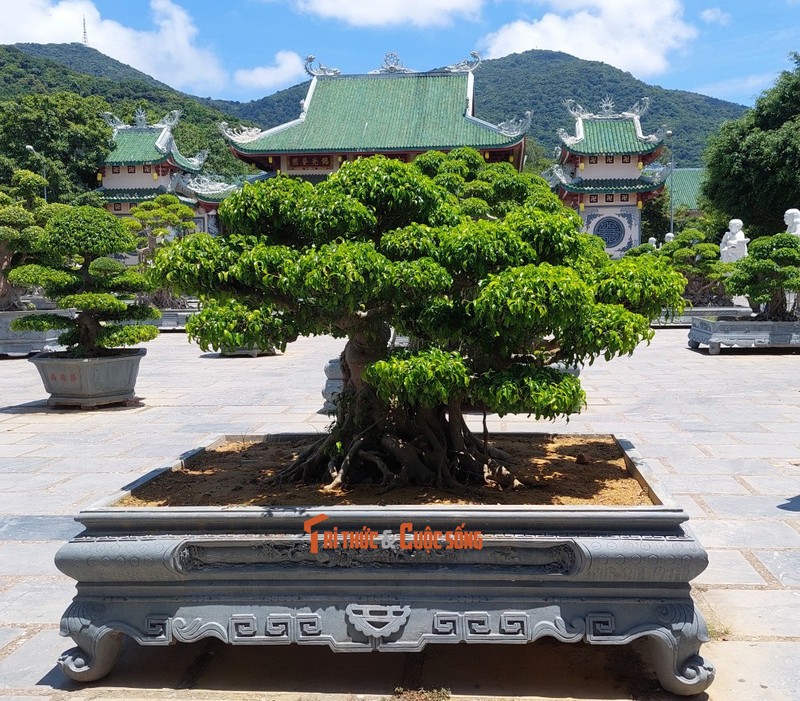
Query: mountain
[505, 88]
[123, 87]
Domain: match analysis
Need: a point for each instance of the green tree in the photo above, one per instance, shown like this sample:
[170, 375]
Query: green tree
[68, 135]
[22, 215]
[495, 307]
[753, 161]
[160, 218]
[770, 269]
[84, 278]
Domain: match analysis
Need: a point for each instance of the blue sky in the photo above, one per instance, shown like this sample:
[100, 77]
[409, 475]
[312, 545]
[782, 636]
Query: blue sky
[246, 49]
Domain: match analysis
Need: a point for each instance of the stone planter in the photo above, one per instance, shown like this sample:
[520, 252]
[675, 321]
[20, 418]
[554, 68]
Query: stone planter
[26, 342]
[89, 382]
[251, 576]
[746, 334]
[246, 352]
[685, 320]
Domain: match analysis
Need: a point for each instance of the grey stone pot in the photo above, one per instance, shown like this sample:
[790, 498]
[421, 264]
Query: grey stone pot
[89, 382]
[25, 342]
[746, 334]
[250, 576]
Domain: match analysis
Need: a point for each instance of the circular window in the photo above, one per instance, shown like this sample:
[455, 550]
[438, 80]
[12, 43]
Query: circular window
[611, 230]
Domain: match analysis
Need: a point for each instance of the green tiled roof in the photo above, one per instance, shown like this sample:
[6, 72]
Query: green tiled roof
[612, 185]
[686, 185]
[132, 194]
[137, 145]
[359, 113]
[612, 135]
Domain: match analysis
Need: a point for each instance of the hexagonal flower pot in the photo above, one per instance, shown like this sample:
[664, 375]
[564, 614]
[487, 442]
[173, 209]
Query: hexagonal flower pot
[411, 576]
[745, 334]
[89, 382]
[25, 342]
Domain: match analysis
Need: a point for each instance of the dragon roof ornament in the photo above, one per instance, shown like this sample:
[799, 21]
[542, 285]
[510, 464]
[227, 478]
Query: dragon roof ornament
[467, 65]
[321, 68]
[240, 135]
[392, 64]
[607, 109]
[198, 160]
[169, 120]
[202, 185]
[516, 127]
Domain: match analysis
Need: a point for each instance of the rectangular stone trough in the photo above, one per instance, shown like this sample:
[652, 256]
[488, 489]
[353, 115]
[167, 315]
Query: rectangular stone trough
[715, 333]
[421, 575]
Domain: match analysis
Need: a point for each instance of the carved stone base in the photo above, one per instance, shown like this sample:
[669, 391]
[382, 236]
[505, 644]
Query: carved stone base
[745, 334]
[476, 574]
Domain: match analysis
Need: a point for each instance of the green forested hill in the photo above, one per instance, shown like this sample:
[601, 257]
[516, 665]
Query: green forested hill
[504, 88]
[22, 73]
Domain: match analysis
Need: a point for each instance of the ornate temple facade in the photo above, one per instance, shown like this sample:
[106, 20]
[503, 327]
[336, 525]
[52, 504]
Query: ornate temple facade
[144, 164]
[602, 171]
[392, 111]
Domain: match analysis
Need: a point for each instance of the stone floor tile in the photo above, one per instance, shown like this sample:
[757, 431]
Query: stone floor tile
[702, 484]
[33, 664]
[731, 533]
[784, 565]
[36, 600]
[778, 485]
[28, 558]
[756, 613]
[750, 671]
[755, 506]
[728, 567]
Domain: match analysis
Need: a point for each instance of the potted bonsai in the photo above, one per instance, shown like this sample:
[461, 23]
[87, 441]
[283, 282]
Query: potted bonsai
[698, 260]
[769, 276]
[93, 370]
[156, 221]
[22, 215]
[495, 308]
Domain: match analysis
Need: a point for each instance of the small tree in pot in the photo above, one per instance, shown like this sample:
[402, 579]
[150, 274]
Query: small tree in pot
[87, 280]
[770, 276]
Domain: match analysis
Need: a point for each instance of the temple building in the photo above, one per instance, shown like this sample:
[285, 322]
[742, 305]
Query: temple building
[602, 171]
[143, 165]
[391, 111]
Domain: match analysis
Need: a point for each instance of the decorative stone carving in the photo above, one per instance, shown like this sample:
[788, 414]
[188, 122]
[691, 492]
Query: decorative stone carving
[392, 64]
[239, 135]
[733, 246]
[320, 69]
[466, 66]
[516, 127]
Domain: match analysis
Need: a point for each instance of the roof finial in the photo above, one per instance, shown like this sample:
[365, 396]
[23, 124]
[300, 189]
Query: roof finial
[392, 64]
[322, 70]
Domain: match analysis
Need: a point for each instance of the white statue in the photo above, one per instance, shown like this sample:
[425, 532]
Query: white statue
[792, 219]
[733, 246]
[652, 241]
[669, 237]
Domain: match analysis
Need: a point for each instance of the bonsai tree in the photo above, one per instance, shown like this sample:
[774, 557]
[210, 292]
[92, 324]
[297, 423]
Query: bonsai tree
[22, 215]
[84, 278]
[154, 221]
[495, 307]
[697, 259]
[770, 270]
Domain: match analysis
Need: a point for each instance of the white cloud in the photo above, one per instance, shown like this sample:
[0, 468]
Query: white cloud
[288, 68]
[617, 32]
[748, 85]
[169, 51]
[713, 15]
[380, 13]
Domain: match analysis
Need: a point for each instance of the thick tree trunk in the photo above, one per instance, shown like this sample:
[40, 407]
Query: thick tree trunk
[390, 447]
[9, 295]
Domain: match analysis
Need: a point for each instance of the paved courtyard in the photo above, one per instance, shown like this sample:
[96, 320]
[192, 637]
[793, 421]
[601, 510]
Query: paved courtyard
[721, 433]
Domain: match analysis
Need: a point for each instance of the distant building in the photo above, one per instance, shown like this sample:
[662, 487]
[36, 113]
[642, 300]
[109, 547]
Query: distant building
[392, 111]
[143, 164]
[602, 171]
[686, 184]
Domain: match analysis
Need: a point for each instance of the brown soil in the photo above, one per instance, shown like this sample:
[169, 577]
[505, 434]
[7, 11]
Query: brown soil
[556, 469]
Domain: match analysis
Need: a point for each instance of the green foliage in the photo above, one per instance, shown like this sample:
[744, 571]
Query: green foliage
[82, 278]
[767, 273]
[495, 306]
[159, 218]
[752, 163]
[428, 378]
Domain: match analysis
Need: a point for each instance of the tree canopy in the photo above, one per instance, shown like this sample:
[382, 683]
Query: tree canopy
[753, 162]
[481, 267]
